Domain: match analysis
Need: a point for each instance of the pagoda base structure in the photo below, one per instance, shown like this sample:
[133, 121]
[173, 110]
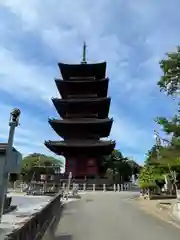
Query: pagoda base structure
[83, 158]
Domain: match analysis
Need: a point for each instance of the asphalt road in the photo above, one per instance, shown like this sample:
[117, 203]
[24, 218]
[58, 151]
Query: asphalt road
[111, 216]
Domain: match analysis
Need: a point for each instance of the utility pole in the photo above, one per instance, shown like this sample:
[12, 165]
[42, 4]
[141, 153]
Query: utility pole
[13, 123]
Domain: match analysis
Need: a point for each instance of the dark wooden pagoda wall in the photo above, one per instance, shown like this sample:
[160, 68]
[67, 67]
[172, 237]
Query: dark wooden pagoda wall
[82, 166]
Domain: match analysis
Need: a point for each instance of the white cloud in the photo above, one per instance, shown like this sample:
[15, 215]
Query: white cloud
[123, 33]
[25, 80]
[129, 135]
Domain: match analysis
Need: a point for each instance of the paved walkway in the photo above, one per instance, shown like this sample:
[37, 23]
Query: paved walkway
[111, 216]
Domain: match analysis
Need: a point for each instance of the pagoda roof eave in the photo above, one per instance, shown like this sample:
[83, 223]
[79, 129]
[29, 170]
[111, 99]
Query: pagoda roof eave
[57, 80]
[86, 128]
[79, 100]
[80, 121]
[80, 143]
[98, 70]
[81, 147]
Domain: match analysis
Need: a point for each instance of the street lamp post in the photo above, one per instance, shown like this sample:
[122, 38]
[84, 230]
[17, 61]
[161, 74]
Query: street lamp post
[13, 123]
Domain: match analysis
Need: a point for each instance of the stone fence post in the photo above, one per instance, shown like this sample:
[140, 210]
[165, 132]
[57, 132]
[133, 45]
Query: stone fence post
[178, 194]
[63, 186]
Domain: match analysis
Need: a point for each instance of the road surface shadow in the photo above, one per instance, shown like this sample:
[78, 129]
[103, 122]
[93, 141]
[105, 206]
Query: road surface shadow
[64, 237]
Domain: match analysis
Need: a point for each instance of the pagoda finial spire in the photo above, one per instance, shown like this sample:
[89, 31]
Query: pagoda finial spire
[84, 54]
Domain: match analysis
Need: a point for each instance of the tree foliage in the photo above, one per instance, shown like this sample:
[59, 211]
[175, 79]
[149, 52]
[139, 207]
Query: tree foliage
[165, 159]
[150, 177]
[119, 167]
[38, 163]
[170, 80]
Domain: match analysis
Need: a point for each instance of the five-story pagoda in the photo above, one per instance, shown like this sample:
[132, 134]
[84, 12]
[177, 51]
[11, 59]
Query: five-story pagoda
[83, 108]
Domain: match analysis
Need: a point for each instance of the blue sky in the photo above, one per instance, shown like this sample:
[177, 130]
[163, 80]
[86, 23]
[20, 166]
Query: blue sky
[132, 36]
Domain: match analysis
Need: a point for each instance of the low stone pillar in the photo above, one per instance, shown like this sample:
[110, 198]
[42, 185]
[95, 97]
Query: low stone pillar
[118, 188]
[94, 187]
[114, 187]
[14, 186]
[21, 187]
[63, 186]
[122, 187]
[84, 187]
[178, 194]
[104, 187]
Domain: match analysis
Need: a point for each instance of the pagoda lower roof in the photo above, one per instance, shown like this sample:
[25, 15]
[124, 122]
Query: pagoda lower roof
[70, 71]
[73, 128]
[89, 147]
[82, 89]
[82, 107]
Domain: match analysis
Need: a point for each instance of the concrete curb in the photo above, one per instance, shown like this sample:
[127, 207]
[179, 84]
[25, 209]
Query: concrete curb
[174, 219]
[175, 213]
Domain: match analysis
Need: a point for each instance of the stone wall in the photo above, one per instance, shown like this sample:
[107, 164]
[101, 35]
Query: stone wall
[36, 227]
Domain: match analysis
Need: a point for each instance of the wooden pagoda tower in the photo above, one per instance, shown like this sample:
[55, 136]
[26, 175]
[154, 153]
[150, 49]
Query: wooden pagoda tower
[83, 108]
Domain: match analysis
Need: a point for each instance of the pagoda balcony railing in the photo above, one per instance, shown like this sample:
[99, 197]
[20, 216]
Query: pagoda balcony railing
[81, 115]
[82, 78]
[79, 143]
[82, 96]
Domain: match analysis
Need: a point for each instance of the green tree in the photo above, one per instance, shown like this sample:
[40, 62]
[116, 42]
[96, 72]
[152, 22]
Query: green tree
[170, 84]
[135, 168]
[119, 167]
[170, 81]
[37, 163]
[151, 156]
[165, 159]
[151, 177]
